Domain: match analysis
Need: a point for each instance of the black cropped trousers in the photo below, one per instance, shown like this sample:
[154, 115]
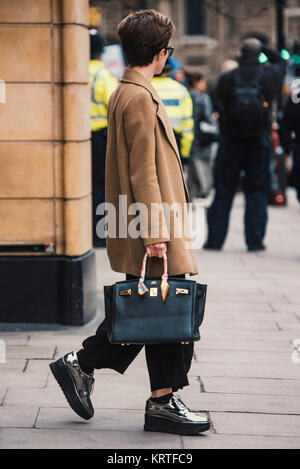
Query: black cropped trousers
[168, 364]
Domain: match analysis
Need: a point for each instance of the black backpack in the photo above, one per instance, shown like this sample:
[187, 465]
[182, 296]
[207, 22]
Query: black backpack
[249, 112]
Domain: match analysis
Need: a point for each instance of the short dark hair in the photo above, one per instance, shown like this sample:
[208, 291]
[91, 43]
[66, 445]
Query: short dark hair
[193, 77]
[143, 34]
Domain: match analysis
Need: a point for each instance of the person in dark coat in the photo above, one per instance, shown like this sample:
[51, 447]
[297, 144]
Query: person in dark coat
[200, 175]
[245, 143]
[291, 124]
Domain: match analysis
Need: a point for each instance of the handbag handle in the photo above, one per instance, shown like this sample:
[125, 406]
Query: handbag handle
[164, 286]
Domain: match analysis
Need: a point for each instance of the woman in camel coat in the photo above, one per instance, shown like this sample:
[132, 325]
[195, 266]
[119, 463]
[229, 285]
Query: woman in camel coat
[143, 166]
[143, 163]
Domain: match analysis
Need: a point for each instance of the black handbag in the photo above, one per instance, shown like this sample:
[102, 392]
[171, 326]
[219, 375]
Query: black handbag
[151, 311]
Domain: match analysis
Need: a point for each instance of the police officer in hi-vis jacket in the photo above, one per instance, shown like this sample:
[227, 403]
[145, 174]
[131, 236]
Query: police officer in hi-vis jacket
[102, 83]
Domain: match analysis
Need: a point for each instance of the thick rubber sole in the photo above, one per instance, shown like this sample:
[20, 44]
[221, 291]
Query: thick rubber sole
[67, 385]
[163, 425]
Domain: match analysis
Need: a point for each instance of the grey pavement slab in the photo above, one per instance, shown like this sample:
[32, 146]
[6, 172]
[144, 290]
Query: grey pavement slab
[289, 278]
[272, 371]
[15, 372]
[286, 307]
[254, 316]
[240, 344]
[15, 338]
[256, 424]
[292, 298]
[26, 380]
[112, 419]
[265, 387]
[291, 326]
[62, 343]
[53, 339]
[215, 333]
[18, 417]
[240, 442]
[29, 351]
[3, 392]
[87, 439]
[249, 326]
[242, 356]
[240, 307]
[25, 397]
[245, 403]
[286, 288]
[38, 366]
[233, 297]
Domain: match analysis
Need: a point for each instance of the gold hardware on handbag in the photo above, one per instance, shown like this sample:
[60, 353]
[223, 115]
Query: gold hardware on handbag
[182, 291]
[125, 292]
[153, 291]
[184, 343]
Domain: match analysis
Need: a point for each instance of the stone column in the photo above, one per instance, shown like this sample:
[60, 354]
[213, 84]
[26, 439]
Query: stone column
[45, 159]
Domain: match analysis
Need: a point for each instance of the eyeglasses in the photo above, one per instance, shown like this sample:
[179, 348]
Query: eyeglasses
[170, 51]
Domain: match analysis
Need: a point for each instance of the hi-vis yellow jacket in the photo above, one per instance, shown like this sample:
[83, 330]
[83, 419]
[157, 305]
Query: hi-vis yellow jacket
[102, 83]
[179, 107]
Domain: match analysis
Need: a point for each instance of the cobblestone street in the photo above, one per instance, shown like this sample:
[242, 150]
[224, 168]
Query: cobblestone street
[242, 374]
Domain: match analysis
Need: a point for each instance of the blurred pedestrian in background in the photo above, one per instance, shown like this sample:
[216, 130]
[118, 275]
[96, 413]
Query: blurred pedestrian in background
[200, 177]
[179, 107]
[290, 136]
[177, 71]
[229, 65]
[245, 97]
[102, 83]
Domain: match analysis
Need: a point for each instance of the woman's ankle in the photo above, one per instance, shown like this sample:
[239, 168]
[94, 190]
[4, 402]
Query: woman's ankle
[161, 392]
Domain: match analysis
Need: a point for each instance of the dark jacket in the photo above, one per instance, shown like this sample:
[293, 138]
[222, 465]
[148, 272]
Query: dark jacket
[202, 111]
[291, 123]
[271, 81]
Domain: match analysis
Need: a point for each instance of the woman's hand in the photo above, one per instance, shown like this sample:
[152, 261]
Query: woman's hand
[156, 250]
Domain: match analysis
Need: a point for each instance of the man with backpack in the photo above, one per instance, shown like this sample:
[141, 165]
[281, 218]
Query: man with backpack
[245, 96]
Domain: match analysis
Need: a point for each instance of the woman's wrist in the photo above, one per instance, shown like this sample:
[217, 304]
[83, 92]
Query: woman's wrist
[156, 250]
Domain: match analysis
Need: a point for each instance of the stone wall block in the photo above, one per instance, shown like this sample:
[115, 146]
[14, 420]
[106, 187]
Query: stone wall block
[76, 112]
[75, 54]
[78, 226]
[26, 170]
[25, 53]
[25, 11]
[26, 221]
[77, 169]
[75, 11]
[27, 113]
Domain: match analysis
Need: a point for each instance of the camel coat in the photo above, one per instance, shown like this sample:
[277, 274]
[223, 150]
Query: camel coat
[143, 164]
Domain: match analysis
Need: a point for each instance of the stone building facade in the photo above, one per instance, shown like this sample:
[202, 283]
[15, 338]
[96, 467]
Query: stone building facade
[208, 31]
[45, 158]
[292, 22]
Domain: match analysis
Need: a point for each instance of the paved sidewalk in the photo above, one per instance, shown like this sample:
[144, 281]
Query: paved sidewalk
[242, 373]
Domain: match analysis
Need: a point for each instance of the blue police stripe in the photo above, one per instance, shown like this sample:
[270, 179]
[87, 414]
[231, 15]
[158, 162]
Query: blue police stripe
[170, 102]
